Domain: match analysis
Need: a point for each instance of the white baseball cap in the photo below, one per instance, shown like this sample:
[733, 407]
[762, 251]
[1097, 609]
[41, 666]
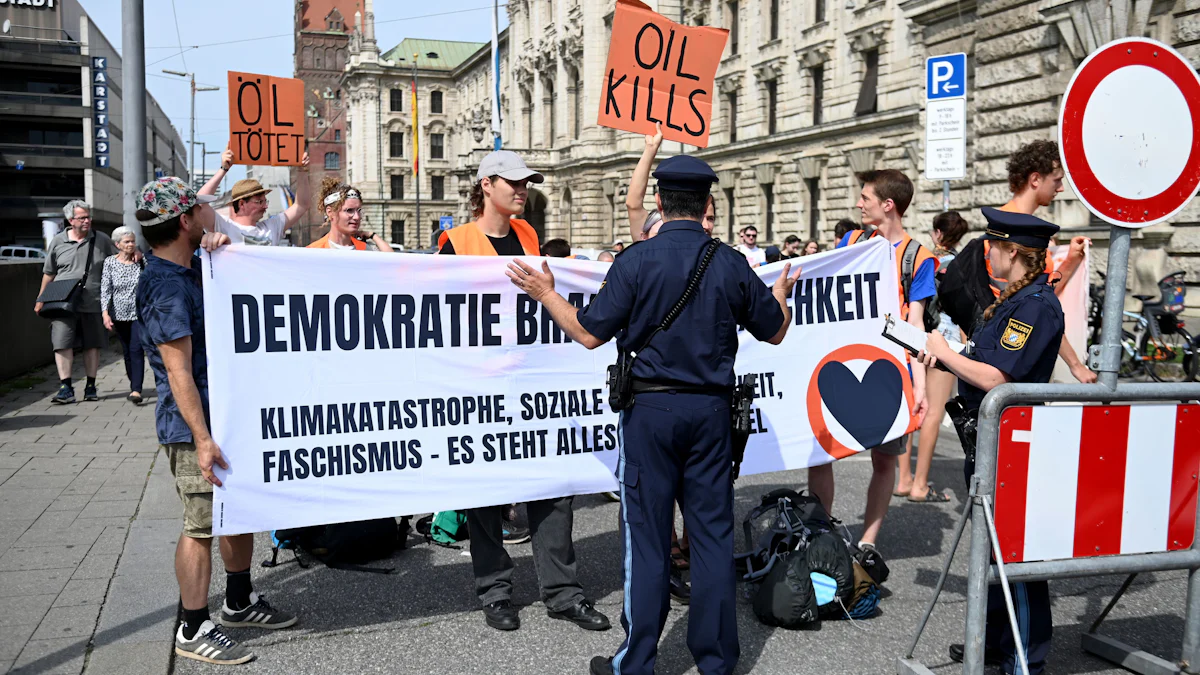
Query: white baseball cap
[508, 165]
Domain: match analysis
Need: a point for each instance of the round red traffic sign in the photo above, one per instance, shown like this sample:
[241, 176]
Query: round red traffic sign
[1129, 132]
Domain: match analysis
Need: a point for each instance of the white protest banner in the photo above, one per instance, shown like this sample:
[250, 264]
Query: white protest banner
[348, 385]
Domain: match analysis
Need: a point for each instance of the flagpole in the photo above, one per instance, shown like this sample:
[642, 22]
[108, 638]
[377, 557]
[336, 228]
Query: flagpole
[495, 75]
[416, 133]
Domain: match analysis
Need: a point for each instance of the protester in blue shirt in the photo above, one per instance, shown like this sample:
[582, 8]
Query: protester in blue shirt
[170, 304]
[885, 197]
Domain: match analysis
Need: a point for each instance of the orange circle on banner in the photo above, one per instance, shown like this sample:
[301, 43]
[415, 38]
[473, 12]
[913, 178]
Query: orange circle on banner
[816, 418]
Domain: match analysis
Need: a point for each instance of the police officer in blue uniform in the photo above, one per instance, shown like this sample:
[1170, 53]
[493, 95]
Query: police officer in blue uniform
[675, 436]
[1018, 343]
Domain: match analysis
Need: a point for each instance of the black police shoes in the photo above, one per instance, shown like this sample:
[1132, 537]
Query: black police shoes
[502, 615]
[601, 665]
[680, 591]
[584, 615]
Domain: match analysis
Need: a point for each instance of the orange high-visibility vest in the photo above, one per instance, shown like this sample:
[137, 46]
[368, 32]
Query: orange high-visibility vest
[323, 242]
[468, 239]
[923, 254]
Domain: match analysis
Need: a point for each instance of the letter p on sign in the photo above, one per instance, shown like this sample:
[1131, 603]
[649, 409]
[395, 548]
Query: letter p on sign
[946, 76]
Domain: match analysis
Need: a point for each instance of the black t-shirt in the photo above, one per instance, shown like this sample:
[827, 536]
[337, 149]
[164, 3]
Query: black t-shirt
[510, 244]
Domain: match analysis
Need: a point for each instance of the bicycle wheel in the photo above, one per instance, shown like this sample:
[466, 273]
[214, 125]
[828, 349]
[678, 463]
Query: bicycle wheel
[1130, 365]
[1168, 359]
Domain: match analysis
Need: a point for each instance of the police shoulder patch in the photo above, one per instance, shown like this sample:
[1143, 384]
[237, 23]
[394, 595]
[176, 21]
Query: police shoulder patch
[1015, 334]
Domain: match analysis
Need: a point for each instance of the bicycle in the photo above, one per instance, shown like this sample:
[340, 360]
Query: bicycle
[1159, 345]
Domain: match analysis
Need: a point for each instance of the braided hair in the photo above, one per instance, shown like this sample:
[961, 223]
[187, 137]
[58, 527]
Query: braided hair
[1034, 260]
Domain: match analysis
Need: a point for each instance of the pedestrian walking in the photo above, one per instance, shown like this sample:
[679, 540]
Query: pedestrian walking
[1018, 342]
[118, 286]
[175, 222]
[675, 437]
[71, 255]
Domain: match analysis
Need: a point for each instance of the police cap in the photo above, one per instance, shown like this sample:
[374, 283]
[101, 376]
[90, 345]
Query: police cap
[685, 173]
[1018, 228]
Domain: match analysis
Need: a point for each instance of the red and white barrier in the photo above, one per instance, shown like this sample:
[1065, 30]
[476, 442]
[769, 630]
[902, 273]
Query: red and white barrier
[1078, 481]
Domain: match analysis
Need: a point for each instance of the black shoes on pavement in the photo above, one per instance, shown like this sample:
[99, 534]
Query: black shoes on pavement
[583, 614]
[601, 665]
[991, 655]
[66, 394]
[680, 591]
[502, 615]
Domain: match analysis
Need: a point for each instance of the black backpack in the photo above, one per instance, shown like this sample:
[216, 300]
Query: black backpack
[801, 538]
[964, 292]
[344, 546]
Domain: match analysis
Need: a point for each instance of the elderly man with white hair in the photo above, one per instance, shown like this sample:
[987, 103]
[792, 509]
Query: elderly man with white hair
[118, 286]
[71, 255]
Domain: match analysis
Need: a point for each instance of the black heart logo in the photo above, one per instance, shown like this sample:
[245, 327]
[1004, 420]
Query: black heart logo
[866, 409]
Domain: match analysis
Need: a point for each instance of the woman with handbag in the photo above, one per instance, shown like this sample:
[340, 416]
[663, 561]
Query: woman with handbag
[118, 285]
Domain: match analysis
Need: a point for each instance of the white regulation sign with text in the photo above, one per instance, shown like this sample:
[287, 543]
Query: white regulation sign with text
[348, 385]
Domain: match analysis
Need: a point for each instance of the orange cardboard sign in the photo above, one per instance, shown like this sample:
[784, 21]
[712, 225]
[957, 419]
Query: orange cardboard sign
[660, 71]
[266, 119]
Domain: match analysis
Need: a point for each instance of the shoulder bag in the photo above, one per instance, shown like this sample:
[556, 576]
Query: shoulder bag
[58, 299]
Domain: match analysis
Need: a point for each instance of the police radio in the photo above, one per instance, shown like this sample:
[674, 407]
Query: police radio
[739, 409]
[620, 374]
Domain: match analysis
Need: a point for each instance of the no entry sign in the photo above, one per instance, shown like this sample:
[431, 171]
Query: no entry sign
[1129, 131]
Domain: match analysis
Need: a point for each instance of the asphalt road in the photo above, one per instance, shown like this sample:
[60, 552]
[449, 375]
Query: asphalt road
[424, 618]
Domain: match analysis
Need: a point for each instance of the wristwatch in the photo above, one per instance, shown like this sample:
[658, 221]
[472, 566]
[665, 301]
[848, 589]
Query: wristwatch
[363, 235]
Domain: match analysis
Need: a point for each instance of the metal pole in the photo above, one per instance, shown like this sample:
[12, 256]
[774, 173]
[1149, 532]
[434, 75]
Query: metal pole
[133, 102]
[1008, 601]
[203, 162]
[1109, 353]
[192, 138]
[945, 195]
[941, 582]
[979, 558]
[1189, 657]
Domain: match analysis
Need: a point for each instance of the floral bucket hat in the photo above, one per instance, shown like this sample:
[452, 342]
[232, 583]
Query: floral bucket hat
[168, 198]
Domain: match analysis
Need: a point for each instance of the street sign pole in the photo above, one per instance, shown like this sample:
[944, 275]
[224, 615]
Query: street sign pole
[946, 120]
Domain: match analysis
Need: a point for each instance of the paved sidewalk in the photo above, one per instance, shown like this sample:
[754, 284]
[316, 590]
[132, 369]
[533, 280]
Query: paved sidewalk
[89, 521]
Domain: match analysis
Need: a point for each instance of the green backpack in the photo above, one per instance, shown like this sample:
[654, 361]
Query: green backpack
[448, 527]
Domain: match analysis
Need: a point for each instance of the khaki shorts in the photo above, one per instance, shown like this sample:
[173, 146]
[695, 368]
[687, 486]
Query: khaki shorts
[893, 448]
[194, 491]
[85, 330]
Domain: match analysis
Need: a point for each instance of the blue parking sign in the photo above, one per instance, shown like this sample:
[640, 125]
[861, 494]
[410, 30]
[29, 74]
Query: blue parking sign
[946, 76]
[446, 222]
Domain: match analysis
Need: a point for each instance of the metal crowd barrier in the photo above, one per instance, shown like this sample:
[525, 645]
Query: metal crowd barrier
[982, 491]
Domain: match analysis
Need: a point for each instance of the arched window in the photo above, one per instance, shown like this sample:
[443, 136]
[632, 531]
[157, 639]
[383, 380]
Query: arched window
[333, 162]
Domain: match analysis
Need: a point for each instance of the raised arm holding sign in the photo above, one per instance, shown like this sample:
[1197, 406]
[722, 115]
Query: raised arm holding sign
[266, 119]
[660, 72]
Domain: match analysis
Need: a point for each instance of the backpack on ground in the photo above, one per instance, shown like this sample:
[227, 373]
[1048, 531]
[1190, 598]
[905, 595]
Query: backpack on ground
[803, 564]
[444, 528]
[345, 546]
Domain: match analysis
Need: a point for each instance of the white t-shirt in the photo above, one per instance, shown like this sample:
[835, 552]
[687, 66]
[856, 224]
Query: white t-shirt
[267, 232]
[755, 256]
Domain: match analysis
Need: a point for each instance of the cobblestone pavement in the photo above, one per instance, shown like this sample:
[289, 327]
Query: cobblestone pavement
[89, 521]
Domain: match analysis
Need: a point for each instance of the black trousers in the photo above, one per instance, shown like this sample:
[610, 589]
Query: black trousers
[550, 525]
[135, 356]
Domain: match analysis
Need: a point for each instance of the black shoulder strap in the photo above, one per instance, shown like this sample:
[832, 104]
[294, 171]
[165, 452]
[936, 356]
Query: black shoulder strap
[688, 292]
[87, 266]
[908, 260]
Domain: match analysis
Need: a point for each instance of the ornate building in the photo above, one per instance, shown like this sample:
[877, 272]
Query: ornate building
[808, 92]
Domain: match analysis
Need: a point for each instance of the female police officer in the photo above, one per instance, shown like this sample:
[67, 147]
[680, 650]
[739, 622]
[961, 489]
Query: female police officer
[1018, 343]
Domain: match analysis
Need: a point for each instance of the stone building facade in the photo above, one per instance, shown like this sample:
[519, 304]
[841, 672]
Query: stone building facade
[808, 93]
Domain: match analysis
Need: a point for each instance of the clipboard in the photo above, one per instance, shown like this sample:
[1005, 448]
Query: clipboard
[911, 338]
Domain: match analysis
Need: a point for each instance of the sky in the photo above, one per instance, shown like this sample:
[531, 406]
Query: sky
[264, 31]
